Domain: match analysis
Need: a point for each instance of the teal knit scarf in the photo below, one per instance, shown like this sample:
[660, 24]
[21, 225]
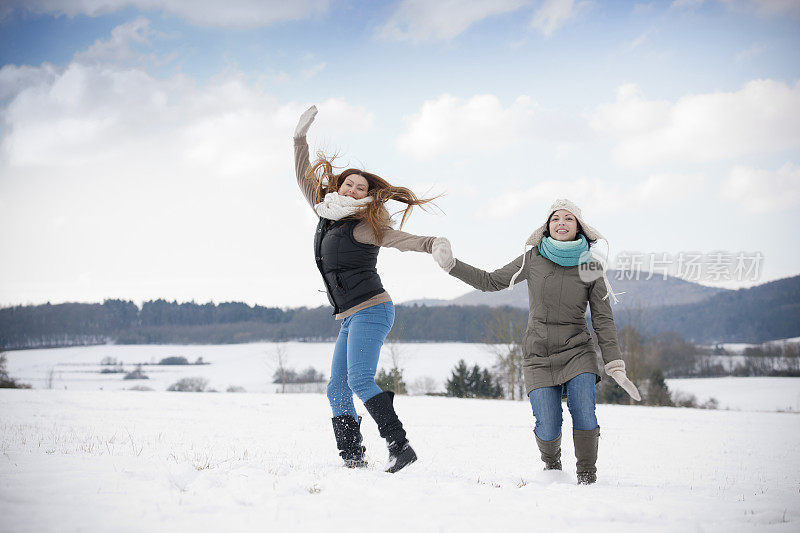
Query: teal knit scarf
[564, 253]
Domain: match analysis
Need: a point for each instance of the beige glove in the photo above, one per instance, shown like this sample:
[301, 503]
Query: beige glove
[616, 369]
[305, 122]
[443, 253]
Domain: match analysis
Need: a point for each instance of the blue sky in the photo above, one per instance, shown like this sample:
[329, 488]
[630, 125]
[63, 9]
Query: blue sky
[145, 148]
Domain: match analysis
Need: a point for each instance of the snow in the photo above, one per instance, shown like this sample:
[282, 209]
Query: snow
[252, 365]
[77, 460]
[743, 394]
[739, 347]
[246, 365]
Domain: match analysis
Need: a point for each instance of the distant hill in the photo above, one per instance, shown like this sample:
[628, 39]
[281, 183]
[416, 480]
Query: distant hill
[765, 312]
[639, 292]
[696, 312]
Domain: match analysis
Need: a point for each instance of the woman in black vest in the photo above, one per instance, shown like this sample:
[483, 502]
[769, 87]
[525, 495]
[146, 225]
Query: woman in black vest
[353, 225]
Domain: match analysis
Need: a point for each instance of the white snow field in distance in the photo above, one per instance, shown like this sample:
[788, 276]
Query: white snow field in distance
[126, 461]
[251, 366]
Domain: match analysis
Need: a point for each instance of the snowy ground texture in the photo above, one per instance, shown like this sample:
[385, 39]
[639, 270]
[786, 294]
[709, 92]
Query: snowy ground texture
[76, 460]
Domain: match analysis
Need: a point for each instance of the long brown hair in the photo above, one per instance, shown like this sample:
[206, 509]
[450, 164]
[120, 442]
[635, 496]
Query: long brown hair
[374, 213]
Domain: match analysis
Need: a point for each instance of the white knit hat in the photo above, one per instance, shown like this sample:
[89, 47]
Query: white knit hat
[562, 203]
[591, 234]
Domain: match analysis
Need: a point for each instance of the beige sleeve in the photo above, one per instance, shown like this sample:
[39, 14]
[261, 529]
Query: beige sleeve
[392, 238]
[490, 281]
[301, 166]
[603, 321]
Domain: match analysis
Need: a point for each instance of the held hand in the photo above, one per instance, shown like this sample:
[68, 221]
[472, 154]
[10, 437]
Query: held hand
[443, 253]
[616, 369]
[305, 122]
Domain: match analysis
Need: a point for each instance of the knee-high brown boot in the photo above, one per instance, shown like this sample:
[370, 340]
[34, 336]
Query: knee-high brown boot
[586, 454]
[551, 452]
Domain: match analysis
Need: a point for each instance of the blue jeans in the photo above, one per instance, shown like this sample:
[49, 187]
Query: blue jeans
[355, 357]
[546, 404]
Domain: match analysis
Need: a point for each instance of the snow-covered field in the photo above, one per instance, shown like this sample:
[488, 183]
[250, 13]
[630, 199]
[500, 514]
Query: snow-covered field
[159, 461]
[245, 365]
[251, 366]
[743, 394]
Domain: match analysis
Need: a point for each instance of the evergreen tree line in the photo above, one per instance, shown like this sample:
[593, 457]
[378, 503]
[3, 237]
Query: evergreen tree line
[475, 382]
[159, 321]
[768, 311]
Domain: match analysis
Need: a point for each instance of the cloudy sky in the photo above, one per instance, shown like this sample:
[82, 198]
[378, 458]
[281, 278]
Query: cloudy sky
[145, 145]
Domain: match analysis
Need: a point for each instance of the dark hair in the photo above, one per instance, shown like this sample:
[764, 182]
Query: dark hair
[580, 229]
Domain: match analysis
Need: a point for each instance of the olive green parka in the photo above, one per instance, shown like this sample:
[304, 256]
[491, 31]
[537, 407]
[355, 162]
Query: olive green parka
[557, 345]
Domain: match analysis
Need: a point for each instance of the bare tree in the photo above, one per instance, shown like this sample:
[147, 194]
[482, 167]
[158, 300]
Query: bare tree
[423, 385]
[642, 355]
[280, 358]
[51, 377]
[504, 340]
[632, 343]
[396, 355]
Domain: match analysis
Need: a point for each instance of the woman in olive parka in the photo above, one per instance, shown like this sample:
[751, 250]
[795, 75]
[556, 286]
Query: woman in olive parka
[559, 356]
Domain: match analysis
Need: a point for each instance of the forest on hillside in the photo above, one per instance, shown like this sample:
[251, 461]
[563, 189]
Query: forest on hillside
[755, 315]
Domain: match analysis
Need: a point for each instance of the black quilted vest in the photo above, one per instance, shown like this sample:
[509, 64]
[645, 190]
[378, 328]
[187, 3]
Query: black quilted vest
[348, 267]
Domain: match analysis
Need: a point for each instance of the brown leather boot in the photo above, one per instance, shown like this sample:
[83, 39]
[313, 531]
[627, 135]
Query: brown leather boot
[586, 454]
[551, 452]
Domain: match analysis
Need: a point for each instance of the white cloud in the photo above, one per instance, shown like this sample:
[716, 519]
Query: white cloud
[760, 118]
[14, 79]
[148, 187]
[770, 7]
[553, 14]
[232, 13]
[641, 39]
[761, 191]
[751, 52]
[658, 190]
[92, 113]
[312, 71]
[480, 123]
[119, 48]
[631, 114]
[686, 4]
[419, 20]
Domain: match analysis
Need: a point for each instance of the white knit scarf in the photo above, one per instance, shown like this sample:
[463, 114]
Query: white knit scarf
[335, 207]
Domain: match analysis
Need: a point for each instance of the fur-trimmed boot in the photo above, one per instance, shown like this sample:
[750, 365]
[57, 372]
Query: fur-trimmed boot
[381, 408]
[551, 452]
[347, 431]
[586, 454]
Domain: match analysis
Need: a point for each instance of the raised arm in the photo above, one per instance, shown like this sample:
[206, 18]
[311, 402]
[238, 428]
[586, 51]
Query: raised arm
[301, 160]
[480, 279]
[392, 238]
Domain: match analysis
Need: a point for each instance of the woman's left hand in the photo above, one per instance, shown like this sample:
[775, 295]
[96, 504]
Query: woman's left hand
[305, 122]
[616, 369]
